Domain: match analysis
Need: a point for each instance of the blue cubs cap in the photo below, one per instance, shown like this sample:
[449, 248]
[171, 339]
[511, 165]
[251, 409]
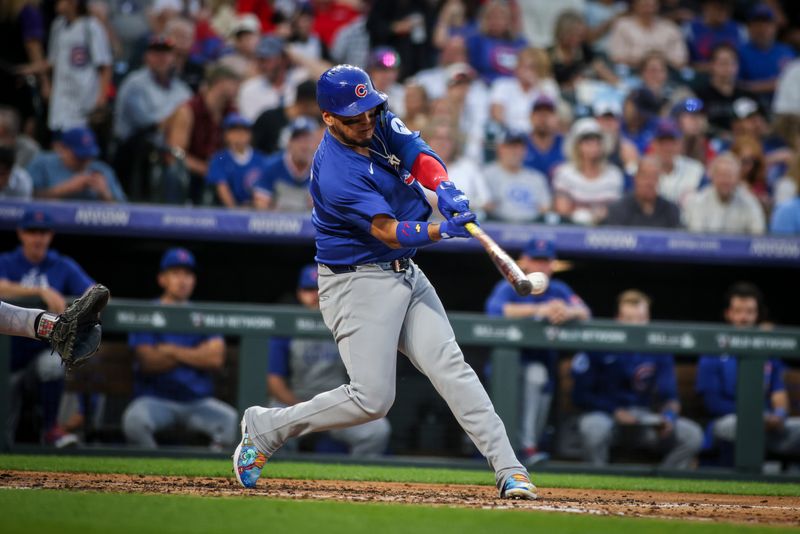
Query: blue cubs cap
[687, 105]
[308, 277]
[177, 257]
[761, 12]
[302, 125]
[347, 90]
[269, 46]
[667, 129]
[234, 120]
[35, 220]
[81, 142]
[540, 248]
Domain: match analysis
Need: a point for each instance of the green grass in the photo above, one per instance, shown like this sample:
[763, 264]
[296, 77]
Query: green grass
[279, 469]
[29, 511]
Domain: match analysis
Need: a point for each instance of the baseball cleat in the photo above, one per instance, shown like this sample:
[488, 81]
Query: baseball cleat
[247, 461]
[518, 486]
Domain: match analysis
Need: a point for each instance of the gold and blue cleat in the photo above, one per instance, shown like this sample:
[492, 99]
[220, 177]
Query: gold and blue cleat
[518, 486]
[247, 461]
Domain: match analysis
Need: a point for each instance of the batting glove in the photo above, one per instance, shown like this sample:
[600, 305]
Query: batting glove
[454, 227]
[452, 200]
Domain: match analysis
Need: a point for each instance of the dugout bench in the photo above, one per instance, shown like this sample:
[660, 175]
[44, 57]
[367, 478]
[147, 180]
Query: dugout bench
[255, 324]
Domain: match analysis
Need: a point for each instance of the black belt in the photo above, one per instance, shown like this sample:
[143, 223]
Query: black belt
[398, 266]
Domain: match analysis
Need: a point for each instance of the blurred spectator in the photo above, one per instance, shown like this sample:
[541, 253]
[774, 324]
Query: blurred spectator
[538, 18]
[689, 115]
[234, 171]
[301, 368]
[129, 23]
[269, 125]
[331, 15]
[639, 117]
[36, 270]
[80, 56]
[417, 106]
[786, 217]
[762, 58]
[634, 36]
[173, 373]
[725, 206]
[265, 10]
[572, 56]
[621, 151]
[600, 16]
[10, 136]
[70, 170]
[384, 69]
[465, 103]
[787, 93]
[302, 39]
[557, 305]
[644, 207]
[632, 399]
[680, 176]
[434, 79]
[717, 381]
[276, 84]
[284, 184]
[723, 87]
[244, 37]
[754, 168]
[712, 28]
[456, 19]
[159, 14]
[351, 43]
[511, 98]
[15, 182]
[587, 183]
[492, 51]
[181, 31]
[654, 73]
[406, 26]
[545, 144]
[22, 34]
[444, 138]
[197, 125]
[786, 188]
[519, 194]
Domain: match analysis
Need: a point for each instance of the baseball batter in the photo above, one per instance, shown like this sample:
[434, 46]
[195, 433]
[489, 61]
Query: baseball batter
[370, 215]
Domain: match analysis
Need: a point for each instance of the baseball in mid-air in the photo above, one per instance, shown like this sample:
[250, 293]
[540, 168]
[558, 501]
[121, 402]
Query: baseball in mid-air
[539, 283]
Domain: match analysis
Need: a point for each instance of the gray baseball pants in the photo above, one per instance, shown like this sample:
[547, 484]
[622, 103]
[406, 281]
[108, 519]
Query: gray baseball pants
[786, 441]
[599, 430]
[373, 313]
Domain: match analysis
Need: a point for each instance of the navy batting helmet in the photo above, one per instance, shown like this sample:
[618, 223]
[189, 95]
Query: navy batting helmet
[347, 90]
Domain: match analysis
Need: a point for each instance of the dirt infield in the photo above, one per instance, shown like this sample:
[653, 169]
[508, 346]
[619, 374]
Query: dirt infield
[725, 508]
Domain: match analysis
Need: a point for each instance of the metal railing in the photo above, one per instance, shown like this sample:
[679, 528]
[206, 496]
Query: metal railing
[254, 325]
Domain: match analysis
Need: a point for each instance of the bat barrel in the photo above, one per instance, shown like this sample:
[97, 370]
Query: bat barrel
[523, 287]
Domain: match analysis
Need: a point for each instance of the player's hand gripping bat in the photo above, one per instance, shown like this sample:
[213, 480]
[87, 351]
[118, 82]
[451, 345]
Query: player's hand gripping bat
[504, 263]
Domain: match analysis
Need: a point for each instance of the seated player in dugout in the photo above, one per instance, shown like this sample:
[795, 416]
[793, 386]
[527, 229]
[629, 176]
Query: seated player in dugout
[174, 381]
[301, 368]
[631, 399]
[717, 380]
[558, 304]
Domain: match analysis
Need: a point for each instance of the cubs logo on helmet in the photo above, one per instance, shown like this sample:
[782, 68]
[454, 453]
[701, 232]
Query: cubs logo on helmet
[361, 90]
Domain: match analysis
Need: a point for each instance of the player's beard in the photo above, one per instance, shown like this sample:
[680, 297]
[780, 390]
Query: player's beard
[346, 139]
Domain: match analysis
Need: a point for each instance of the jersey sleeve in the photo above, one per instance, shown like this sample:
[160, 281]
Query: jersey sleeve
[358, 200]
[137, 339]
[776, 376]
[584, 375]
[501, 295]
[279, 356]
[266, 181]
[666, 385]
[77, 281]
[216, 169]
[99, 45]
[407, 145]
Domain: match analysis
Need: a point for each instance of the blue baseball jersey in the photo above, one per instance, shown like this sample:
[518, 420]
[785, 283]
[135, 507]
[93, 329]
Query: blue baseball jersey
[504, 293]
[702, 38]
[544, 161]
[183, 383]
[291, 191]
[58, 272]
[606, 381]
[349, 189]
[759, 64]
[717, 379]
[241, 174]
[493, 58]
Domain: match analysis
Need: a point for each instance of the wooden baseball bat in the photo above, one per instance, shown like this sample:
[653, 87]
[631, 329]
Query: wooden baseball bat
[504, 263]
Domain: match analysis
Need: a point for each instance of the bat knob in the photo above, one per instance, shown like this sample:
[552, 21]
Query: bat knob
[523, 287]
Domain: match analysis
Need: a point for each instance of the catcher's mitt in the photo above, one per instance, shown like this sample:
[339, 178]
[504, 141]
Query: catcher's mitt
[76, 333]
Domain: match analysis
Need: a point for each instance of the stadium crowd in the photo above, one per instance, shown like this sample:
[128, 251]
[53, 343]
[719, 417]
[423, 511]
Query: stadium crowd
[673, 113]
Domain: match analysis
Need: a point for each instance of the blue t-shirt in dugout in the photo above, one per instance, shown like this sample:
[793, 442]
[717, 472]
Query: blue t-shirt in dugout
[349, 189]
[241, 176]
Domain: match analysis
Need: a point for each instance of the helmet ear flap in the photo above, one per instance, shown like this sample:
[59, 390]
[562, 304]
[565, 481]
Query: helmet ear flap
[382, 110]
